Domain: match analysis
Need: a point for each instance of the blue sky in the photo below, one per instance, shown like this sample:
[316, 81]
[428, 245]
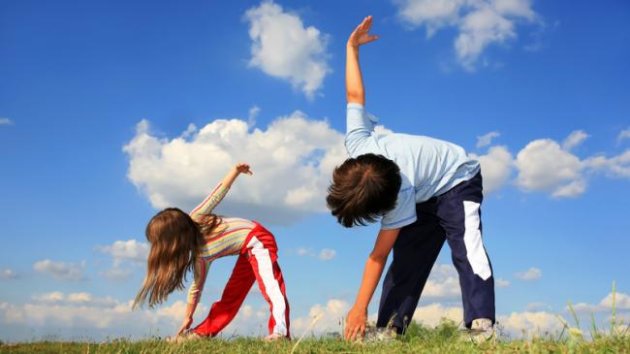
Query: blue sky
[112, 110]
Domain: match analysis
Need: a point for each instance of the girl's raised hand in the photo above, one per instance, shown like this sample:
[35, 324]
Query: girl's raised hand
[361, 35]
[242, 167]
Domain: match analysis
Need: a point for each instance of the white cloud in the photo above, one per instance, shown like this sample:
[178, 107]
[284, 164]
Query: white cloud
[6, 121]
[530, 324]
[81, 298]
[431, 315]
[321, 319]
[283, 47]
[292, 161]
[252, 114]
[622, 303]
[496, 167]
[98, 318]
[532, 273]
[544, 165]
[7, 274]
[60, 270]
[623, 135]
[616, 166]
[486, 139]
[443, 283]
[574, 139]
[130, 250]
[502, 283]
[117, 273]
[327, 254]
[480, 23]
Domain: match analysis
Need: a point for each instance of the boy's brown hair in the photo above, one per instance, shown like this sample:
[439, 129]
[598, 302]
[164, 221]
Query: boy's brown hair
[363, 189]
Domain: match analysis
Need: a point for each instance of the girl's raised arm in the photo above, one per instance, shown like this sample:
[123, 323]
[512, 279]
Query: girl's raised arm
[355, 92]
[220, 191]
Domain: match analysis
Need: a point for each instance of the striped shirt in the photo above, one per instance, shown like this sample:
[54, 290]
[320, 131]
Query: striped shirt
[226, 239]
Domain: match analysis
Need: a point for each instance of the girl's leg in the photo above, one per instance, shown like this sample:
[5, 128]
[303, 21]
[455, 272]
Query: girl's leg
[264, 263]
[223, 311]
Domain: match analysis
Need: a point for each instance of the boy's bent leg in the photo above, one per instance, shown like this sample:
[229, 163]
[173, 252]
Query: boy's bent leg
[459, 211]
[223, 311]
[415, 251]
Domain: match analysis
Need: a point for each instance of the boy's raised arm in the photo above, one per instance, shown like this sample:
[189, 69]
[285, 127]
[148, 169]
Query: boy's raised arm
[355, 91]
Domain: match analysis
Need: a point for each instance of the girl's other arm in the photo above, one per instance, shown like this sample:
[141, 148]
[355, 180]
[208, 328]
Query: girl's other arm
[357, 316]
[355, 91]
[194, 293]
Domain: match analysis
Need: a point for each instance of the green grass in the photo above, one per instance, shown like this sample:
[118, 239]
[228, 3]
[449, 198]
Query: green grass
[446, 338]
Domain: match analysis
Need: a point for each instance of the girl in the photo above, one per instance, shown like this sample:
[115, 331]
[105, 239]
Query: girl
[182, 242]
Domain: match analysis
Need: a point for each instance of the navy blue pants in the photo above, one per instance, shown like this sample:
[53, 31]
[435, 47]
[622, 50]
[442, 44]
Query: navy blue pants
[454, 216]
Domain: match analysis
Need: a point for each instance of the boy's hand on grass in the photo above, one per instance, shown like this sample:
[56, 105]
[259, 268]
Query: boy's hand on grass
[361, 35]
[355, 323]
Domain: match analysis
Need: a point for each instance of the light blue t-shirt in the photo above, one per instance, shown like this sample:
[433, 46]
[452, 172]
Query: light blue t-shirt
[428, 166]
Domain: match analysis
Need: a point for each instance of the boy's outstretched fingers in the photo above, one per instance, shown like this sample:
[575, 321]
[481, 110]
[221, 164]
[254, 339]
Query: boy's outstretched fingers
[361, 34]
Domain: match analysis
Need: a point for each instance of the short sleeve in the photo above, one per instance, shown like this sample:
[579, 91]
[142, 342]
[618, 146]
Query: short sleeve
[359, 126]
[404, 213]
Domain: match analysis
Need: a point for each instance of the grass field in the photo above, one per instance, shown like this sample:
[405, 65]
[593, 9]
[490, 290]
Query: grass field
[446, 338]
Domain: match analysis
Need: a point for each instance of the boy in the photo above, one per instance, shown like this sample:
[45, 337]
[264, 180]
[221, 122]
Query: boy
[426, 191]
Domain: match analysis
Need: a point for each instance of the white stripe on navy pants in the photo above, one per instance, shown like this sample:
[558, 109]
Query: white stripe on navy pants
[454, 216]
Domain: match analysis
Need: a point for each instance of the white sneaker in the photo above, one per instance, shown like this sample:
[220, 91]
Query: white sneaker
[184, 337]
[481, 330]
[379, 334]
[275, 336]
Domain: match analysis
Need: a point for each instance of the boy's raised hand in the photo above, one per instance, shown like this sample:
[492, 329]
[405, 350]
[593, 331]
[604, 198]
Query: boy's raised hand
[361, 35]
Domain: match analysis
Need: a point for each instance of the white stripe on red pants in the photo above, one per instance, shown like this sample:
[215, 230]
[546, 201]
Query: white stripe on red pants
[258, 261]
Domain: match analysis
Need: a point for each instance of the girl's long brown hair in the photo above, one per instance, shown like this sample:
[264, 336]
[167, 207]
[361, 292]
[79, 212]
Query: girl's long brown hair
[175, 240]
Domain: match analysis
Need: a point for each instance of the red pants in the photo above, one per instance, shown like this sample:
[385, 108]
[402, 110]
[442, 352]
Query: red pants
[258, 261]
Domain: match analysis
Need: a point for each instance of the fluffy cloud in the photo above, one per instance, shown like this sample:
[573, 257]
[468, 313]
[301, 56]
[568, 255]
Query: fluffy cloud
[322, 319]
[443, 283]
[574, 139]
[283, 47]
[130, 250]
[623, 135]
[60, 270]
[431, 315]
[327, 254]
[292, 161]
[496, 167]
[502, 283]
[99, 318]
[486, 139]
[532, 273]
[480, 23]
[544, 165]
[7, 274]
[616, 166]
[530, 324]
[6, 121]
[621, 303]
